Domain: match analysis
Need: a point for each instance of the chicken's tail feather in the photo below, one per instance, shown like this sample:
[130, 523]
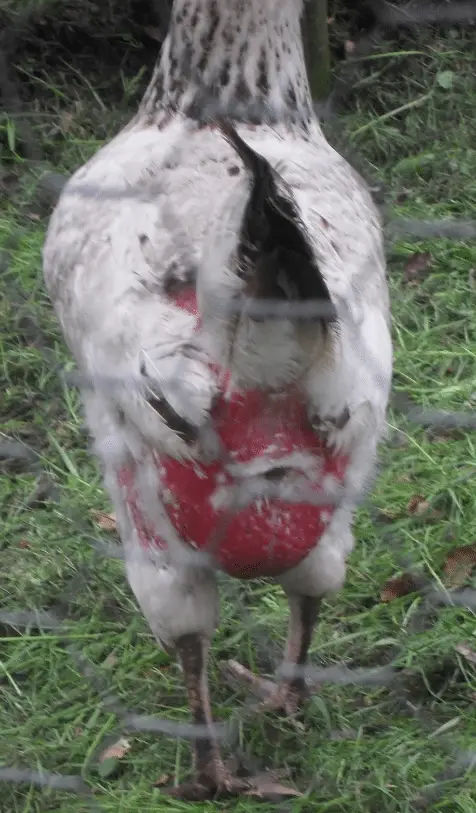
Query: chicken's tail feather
[275, 256]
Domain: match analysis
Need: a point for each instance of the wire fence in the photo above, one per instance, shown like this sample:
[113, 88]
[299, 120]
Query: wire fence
[433, 595]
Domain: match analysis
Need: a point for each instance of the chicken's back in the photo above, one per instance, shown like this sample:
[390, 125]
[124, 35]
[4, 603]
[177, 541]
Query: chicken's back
[135, 217]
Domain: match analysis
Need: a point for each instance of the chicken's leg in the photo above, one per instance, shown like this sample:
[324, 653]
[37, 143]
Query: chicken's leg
[286, 695]
[211, 777]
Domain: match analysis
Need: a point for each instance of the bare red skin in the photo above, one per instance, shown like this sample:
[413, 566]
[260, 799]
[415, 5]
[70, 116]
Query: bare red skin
[259, 540]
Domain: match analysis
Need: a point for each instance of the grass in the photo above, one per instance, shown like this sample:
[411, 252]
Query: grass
[361, 752]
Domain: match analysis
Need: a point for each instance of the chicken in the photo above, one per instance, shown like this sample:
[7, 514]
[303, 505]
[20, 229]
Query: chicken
[221, 286]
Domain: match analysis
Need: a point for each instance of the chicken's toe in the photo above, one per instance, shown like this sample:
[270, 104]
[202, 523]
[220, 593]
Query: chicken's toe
[283, 698]
[221, 781]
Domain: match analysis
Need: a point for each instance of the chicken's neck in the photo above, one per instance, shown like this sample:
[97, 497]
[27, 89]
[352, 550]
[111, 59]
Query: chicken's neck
[244, 56]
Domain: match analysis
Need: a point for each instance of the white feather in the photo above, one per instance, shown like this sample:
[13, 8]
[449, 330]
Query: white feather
[168, 197]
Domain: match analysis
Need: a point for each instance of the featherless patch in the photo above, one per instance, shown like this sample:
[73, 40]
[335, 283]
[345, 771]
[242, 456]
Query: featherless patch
[253, 511]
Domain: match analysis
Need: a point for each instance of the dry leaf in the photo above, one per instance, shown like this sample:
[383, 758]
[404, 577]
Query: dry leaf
[387, 514]
[416, 265]
[459, 565]
[66, 120]
[109, 762]
[117, 750]
[467, 653]
[442, 434]
[162, 780]
[440, 438]
[272, 789]
[267, 784]
[105, 521]
[400, 586]
[418, 505]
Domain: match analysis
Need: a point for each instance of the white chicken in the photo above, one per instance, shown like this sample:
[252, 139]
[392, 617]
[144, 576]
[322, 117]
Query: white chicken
[232, 434]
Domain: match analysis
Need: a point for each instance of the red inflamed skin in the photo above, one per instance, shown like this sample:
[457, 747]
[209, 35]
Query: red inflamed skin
[258, 540]
[262, 539]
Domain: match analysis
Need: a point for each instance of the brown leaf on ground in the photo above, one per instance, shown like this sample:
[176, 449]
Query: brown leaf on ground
[267, 784]
[162, 780]
[400, 586]
[459, 565]
[110, 764]
[467, 653]
[418, 505]
[66, 120]
[117, 750]
[416, 265]
[386, 515]
[443, 435]
[107, 522]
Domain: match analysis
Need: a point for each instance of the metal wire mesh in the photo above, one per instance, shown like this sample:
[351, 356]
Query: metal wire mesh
[389, 673]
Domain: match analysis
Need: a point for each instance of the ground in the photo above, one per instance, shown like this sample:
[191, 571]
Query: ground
[412, 118]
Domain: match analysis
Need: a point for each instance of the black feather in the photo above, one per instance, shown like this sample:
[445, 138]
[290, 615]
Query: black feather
[186, 430]
[275, 256]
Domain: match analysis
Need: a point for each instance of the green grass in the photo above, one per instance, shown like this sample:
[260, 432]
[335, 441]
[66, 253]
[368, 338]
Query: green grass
[361, 752]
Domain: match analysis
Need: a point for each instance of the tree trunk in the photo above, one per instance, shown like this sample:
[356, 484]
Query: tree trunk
[316, 47]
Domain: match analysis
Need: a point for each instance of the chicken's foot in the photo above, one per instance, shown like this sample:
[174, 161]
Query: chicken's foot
[287, 695]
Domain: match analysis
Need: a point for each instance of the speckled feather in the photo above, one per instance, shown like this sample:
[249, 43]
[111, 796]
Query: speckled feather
[159, 208]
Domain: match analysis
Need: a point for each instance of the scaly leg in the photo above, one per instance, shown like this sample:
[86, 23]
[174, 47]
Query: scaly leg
[286, 695]
[211, 777]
